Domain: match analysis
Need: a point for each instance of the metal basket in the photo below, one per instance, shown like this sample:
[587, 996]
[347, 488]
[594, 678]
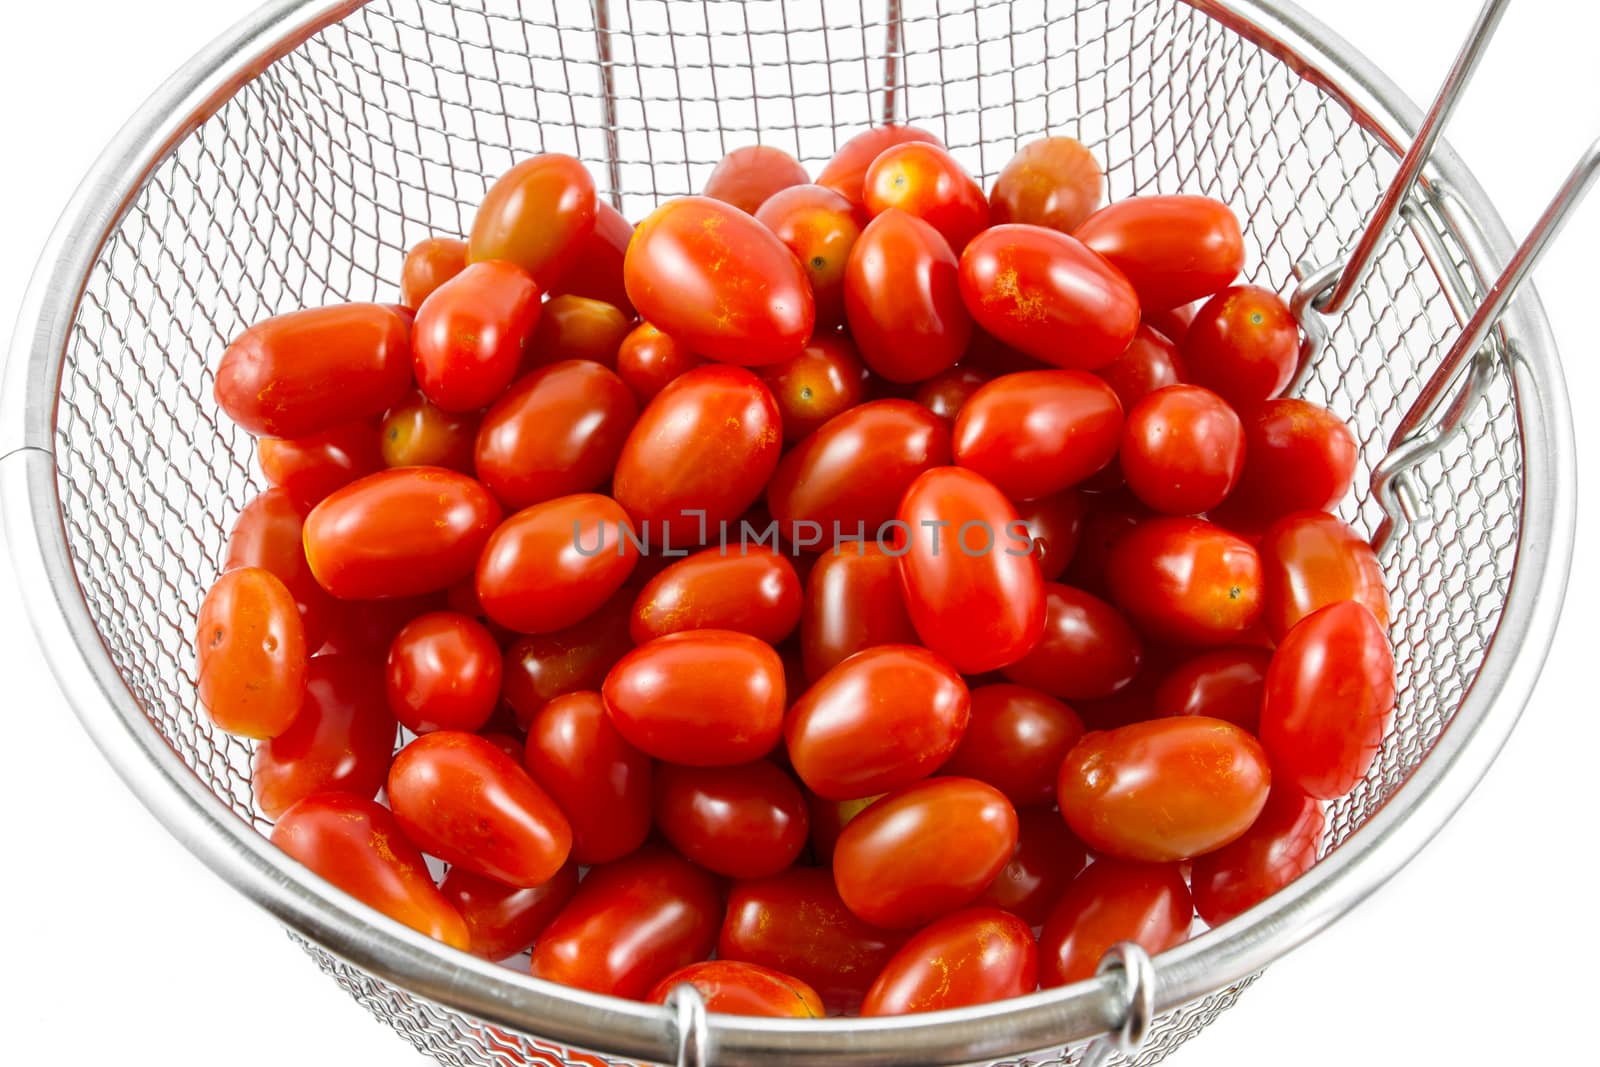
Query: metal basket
[293, 162]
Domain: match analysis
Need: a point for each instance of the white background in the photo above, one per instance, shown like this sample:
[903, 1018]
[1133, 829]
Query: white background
[115, 940]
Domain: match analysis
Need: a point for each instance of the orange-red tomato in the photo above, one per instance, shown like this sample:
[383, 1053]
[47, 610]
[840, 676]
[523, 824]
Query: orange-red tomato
[251, 668]
[430, 263]
[1309, 560]
[1225, 683]
[846, 172]
[577, 327]
[311, 467]
[1015, 740]
[1036, 433]
[924, 180]
[503, 920]
[743, 821]
[541, 667]
[1244, 343]
[1088, 650]
[443, 673]
[470, 334]
[1277, 849]
[1053, 182]
[1298, 456]
[267, 534]
[1112, 901]
[1150, 362]
[903, 300]
[1172, 249]
[419, 433]
[752, 590]
[648, 359]
[947, 392]
[852, 602]
[1186, 581]
[1182, 449]
[826, 379]
[539, 215]
[974, 956]
[601, 782]
[1055, 524]
[734, 988]
[553, 564]
[820, 227]
[1045, 862]
[748, 176]
[596, 271]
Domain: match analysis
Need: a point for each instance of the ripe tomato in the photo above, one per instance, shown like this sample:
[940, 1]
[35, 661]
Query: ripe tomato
[1172, 323]
[1150, 362]
[470, 335]
[747, 177]
[577, 327]
[719, 282]
[1280, 847]
[430, 263]
[924, 180]
[1045, 862]
[1053, 182]
[1112, 901]
[1244, 343]
[852, 602]
[1038, 432]
[597, 778]
[541, 667]
[1186, 581]
[504, 920]
[902, 299]
[596, 272]
[1297, 457]
[358, 846]
[820, 227]
[1054, 524]
[744, 821]
[508, 743]
[1182, 449]
[826, 379]
[1046, 295]
[924, 851]
[975, 956]
[754, 591]
[1088, 649]
[367, 627]
[1309, 560]
[734, 988]
[418, 433]
[311, 467]
[974, 596]
[1015, 741]
[539, 215]
[251, 668]
[443, 674]
[846, 172]
[309, 371]
[631, 923]
[1225, 683]
[1172, 249]
[267, 534]
[947, 392]
[648, 359]
[551, 565]
[702, 698]
[882, 719]
[1329, 694]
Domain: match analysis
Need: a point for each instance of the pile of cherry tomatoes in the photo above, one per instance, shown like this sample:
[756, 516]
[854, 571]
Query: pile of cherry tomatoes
[865, 594]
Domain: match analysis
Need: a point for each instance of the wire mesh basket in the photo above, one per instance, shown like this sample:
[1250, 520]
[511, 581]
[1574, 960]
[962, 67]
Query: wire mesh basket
[294, 161]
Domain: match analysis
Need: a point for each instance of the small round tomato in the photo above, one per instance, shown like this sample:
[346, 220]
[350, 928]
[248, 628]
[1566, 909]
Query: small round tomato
[358, 846]
[1186, 581]
[1112, 901]
[924, 180]
[1054, 524]
[553, 564]
[1088, 649]
[1046, 861]
[1046, 295]
[1298, 456]
[734, 988]
[820, 227]
[311, 467]
[1053, 182]
[469, 337]
[754, 591]
[975, 956]
[443, 674]
[1280, 847]
[1150, 362]
[601, 782]
[596, 272]
[744, 821]
[1015, 741]
[577, 327]
[846, 172]
[1244, 343]
[702, 698]
[1225, 683]
[1330, 691]
[251, 667]
[418, 433]
[431, 262]
[538, 215]
[504, 920]
[648, 359]
[826, 379]
[747, 177]
[924, 851]
[852, 602]
[541, 667]
[1172, 249]
[1182, 449]
[1309, 560]
[1038, 432]
[903, 301]
[268, 534]
[947, 392]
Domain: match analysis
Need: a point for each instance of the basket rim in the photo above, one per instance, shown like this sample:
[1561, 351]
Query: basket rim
[495, 995]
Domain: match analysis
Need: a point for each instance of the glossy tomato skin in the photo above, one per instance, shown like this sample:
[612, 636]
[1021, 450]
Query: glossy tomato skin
[1055, 524]
[1036, 433]
[648, 359]
[894, 865]
[1046, 860]
[701, 698]
[1046, 295]
[1329, 694]
[252, 654]
[820, 227]
[470, 334]
[1015, 740]
[1088, 649]
[924, 180]
[1054, 182]
[947, 392]
[503, 920]
[1299, 456]
[974, 956]
[399, 533]
[747, 177]
[431, 262]
[577, 327]
[551, 565]
[1280, 847]
[463, 800]
[311, 467]
[596, 271]
[1244, 343]
[1172, 249]
[308, 371]
[852, 602]
[538, 215]
[846, 172]
[720, 282]
[882, 719]
[751, 590]
[443, 673]
[1309, 560]
[1182, 450]
[744, 821]
[419, 433]
[1225, 683]
[1186, 581]
[734, 988]
[541, 667]
[902, 299]
[1150, 362]
[980, 608]
[268, 534]
[631, 923]
[826, 379]
[600, 781]
[1112, 901]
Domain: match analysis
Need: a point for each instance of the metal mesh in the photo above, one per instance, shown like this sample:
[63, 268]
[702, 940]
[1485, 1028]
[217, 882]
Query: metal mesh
[311, 182]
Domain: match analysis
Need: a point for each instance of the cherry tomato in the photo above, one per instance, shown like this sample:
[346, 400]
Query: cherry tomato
[267, 534]
[882, 719]
[309, 371]
[702, 698]
[470, 335]
[504, 920]
[368, 627]
[947, 392]
[924, 851]
[1244, 343]
[975, 956]
[648, 359]
[596, 272]
[359, 847]
[1182, 449]
[754, 591]
[744, 821]
[1186, 581]
[1225, 683]
[1309, 560]
[1054, 524]
[252, 654]
[541, 667]
[1053, 182]
[1297, 457]
[1045, 862]
[1329, 694]
[311, 467]
[1036, 433]
[539, 215]
[820, 227]
[971, 584]
[1112, 901]
[1088, 649]
[747, 177]
[430, 263]
[419, 433]
[1172, 323]
[902, 299]
[826, 379]
[443, 674]
[924, 180]
[1015, 741]
[597, 778]
[846, 172]
[577, 327]
[719, 282]
[550, 565]
[1150, 362]
[1046, 295]
[852, 602]
[1172, 249]
[632, 923]
[1280, 847]
[734, 988]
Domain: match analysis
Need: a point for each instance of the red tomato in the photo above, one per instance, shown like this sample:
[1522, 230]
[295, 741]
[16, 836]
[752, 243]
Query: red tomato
[1045, 862]
[1036, 433]
[309, 371]
[1150, 362]
[1173, 249]
[846, 172]
[975, 956]
[1054, 524]
[418, 433]
[1088, 649]
[430, 263]
[1172, 323]
[1015, 741]
[267, 534]
[1053, 182]
[551, 565]
[947, 392]
[754, 591]
[1244, 343]
[1297, 457]
[463, 800]
[702, 698]
[719, 282]
[826, 379]
[733, 988]
[597, 778]
[852, 602]
[596, 272]
[1329, 694]
[745, 821]
[1225, 684]
[1182, 449]
[470, 335]
[648, 359]
[1045, 294]
[632, 923]
[577, 327]
[444, 673]
[924, 851]
[539, 215]
[367, 627]
[341, 739]
[924, 180]
[902, 299]
[1186, 581]
[747, 177]
[252, 654]
[358, 846]
[1310, 560]
[974, 594]
[820, 227]
[1280, 847]
[504, 920]
[311, 467]
[882, 719]
[541, 667]
[1113, 901]
[510, 744]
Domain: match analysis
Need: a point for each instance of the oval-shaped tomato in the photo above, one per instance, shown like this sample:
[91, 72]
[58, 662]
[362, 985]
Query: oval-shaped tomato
[895, 865]
[924, 180]
[947, 392]
[1038, 432]
[399, 533]
[1186, 581]
[601, 782]
[744, 821]
[1045, 294]
[538, 215]
[852, 602]
[826, 379]
[1182, 449]
[1172, 249]
[975, 956]
[541, 667]
[470, 335]
[903, 301]
[1045, 862]
[1225, 683]
[971, 584]
[551, 565]
[754, 591]
[419, 433]
[820, 227]
[1015, 740]
[747, 177]
[504, 920]
[1112, 901]
[268, 534]
[1280, 847]
[1055, 525]
[1309, 560]
[444, 673]
[846, 172]
[308, 371]
[1088, 649]
[648, 359]
[577, 327]
[431, 262]
[882, 719]
[1053, 182]
[596, 271]
[734, 988]
[1329, 694]
[251, 668]
[1150, 362]
[702, 698]
[1243, 343]
[311, 467]
[1298, 456]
